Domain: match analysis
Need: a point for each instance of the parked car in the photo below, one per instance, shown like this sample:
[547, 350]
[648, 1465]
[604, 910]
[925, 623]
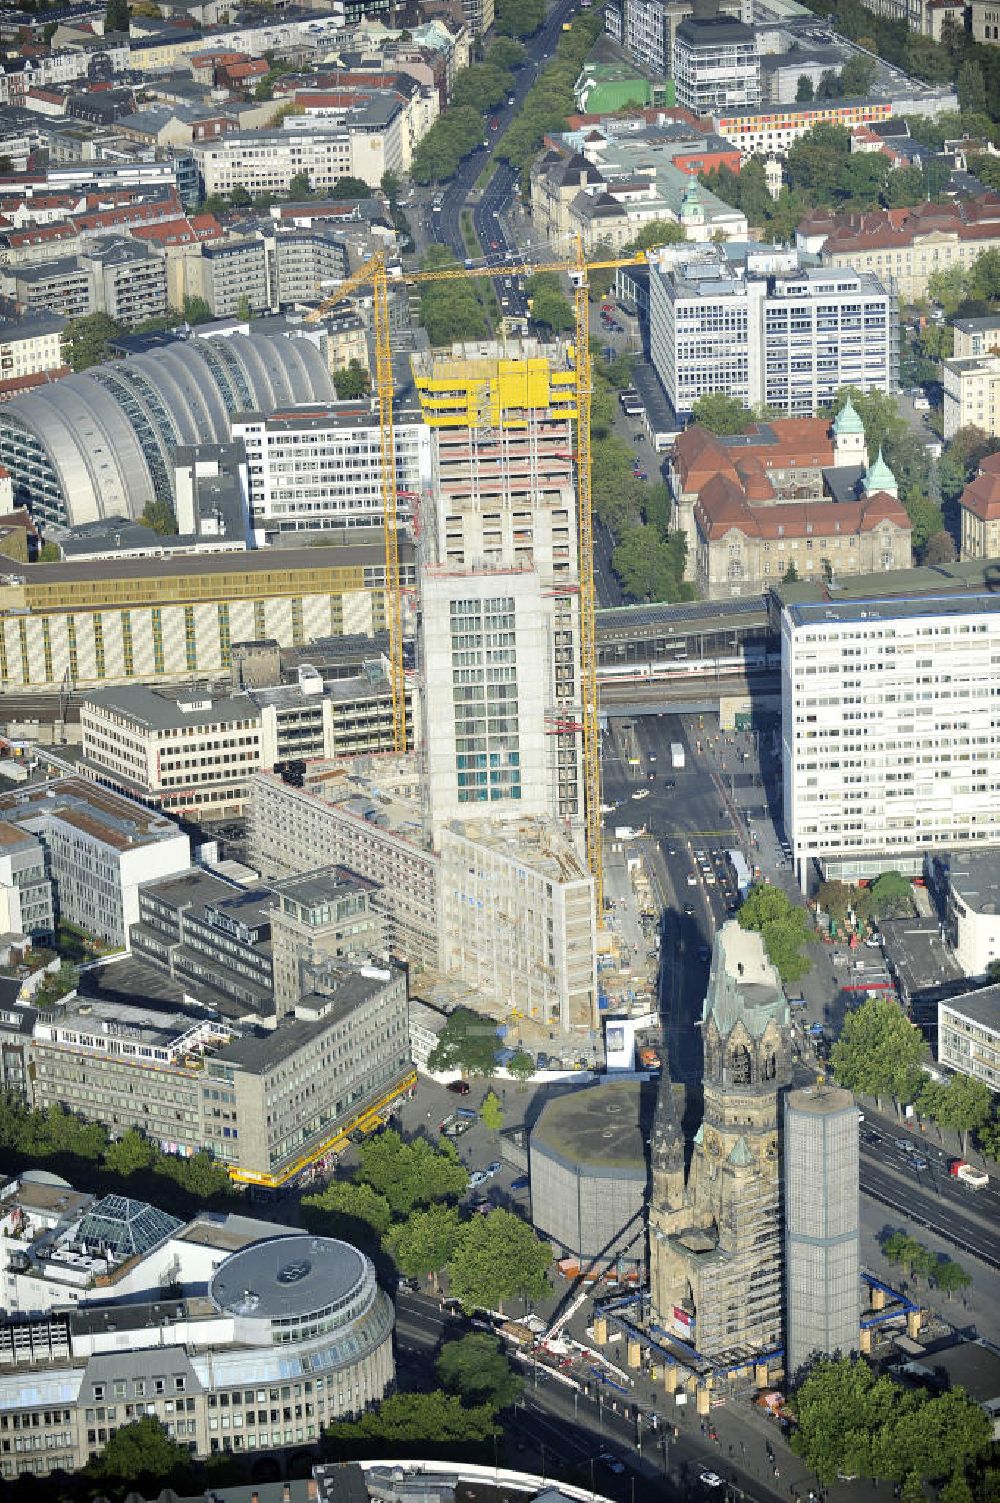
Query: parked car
[494, 1168]
[521, 1183]
[460, 1087]
[477, 1177]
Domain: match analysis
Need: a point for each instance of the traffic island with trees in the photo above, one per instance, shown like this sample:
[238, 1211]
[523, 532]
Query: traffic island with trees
[784, 927]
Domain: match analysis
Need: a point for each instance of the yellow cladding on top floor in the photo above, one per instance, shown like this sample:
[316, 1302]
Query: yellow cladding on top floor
[465, 393]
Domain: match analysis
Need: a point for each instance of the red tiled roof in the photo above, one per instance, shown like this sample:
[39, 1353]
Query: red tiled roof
[889, 229]
[154, 212]
[252, 68]
[721, 508]
[37, 234]
[982, 495]
[15, 385]
[802, 443]
[183, 231]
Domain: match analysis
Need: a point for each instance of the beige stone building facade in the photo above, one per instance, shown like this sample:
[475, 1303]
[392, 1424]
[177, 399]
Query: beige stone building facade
[971, 393]
[979, 507]
[908, 245]
[792, 496]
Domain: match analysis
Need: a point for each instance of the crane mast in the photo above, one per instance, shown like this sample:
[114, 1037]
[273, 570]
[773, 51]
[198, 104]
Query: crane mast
[375, 274]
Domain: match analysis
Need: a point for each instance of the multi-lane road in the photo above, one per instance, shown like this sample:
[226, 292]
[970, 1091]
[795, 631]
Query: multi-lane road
[909, 1175]
[446, 220]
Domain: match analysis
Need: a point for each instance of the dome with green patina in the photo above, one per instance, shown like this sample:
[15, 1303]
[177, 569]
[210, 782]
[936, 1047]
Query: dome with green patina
[847, 420]
[880, 478]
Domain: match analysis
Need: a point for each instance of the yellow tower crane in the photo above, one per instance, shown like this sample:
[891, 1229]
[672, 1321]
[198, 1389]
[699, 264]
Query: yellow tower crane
[375, 274]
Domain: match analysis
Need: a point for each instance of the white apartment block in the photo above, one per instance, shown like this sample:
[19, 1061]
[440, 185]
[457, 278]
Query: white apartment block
[99, 847]
[646, 28]
[316, 468]
[517, 919]
[36, 344]
[890, 745]
[973, 914]
[969, 1035]
[267, 161]
[26, 898]
[768, 332]
[972, 394]
[716, 65]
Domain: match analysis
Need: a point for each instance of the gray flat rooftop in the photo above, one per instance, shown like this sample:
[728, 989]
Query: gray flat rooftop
[369, 550]
[982, 1006]
[971, 1365]
[321, 885]
[288, 1277]
[975, 877]
[164, 709]
[595, 1130]
[896, 608]
[918, 955]
[261, 1049]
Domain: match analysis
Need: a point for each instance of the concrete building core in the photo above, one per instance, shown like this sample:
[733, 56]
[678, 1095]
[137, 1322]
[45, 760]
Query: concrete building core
[588, 1173]
[822, 1251]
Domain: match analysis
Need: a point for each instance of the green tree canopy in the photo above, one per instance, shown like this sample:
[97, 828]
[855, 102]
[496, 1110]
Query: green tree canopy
[521, 1067]
[415, 1424]
[506, 54]
[468, 1043]
[337, 1209]
[87, 339]
[450, 310]
[482, 87]
[116, 16]
[137, 1452]
[411, 1174]
[424, 1243]
[721, 414]
[783, 926]
[972, 88]
[498, 1257]
[650, 566]
[837, 899]
[476, 1368]
[519, 18]
[847, 1420]
[962, 1103]
[197, 311]
[159, 515]
[452, 136]
[352, 382]
[891, 896]
[491, 1113]
[129, 1155]
[857, 76]
[549, 304]
[804, 89]
[879, 1051]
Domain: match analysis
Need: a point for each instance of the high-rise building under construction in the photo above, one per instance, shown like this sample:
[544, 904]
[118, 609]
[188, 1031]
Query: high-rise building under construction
[500, 584]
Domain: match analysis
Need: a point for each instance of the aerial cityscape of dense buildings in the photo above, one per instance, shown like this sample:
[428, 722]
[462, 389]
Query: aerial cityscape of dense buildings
[499, 793]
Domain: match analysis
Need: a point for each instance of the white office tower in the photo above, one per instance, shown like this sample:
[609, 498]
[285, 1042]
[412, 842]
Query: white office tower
[499, 586]
[822, 1250]
[889, 737]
